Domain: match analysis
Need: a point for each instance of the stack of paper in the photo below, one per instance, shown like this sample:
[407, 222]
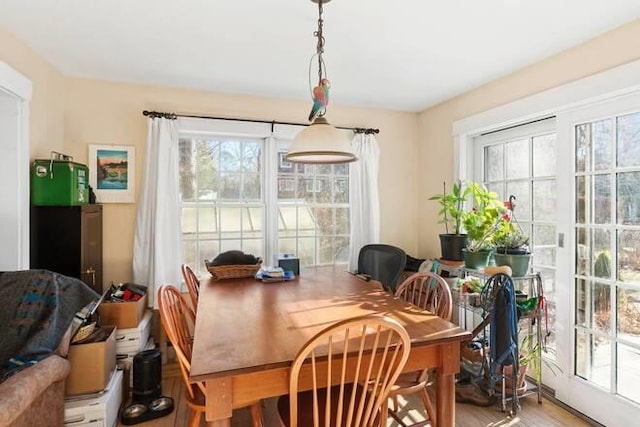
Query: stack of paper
[274, 274]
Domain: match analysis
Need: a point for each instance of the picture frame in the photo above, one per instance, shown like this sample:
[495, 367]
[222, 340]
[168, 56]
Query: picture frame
[112, 173]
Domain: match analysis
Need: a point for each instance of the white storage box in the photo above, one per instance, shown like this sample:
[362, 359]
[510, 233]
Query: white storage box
[96, 411]
[132, 341]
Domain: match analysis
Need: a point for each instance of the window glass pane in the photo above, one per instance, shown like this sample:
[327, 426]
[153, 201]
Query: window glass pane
[583, 145]
[520, 189]
[544, 194]
[628, 315]
[206, 165]
[230, 223]
[628, 375]
[342, 221]
[517, 159]
[602, 144]
[628, 186]
[307, 251]
[544, 245]
[581, 200]
[251, 155]
[287, 246]
[322, 189]
[600, 254]
[583, 255]
[286, 186]
[628, 128]
[326, 250]
[325, 221]
[629, 257]
[230, 245]
[209, 249]
[252, 187]
[230, 156]
[593, 359]
[493, 163]
[593, 306]
[602, 197]
[230, 186]
[341, 190]
[544, 155]
[207, 221]
[189, 219]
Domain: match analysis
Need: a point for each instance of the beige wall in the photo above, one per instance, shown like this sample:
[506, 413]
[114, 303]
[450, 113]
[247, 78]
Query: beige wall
[68, 114]
[436, 143]
[47, 104]
[109, 113]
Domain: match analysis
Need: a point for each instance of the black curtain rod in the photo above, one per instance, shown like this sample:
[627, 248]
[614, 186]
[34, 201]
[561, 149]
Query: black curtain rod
[173, 116]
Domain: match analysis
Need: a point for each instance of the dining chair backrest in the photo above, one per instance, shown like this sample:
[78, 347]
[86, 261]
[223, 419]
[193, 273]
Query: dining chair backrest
[178, 321]
[383, 263]
[193, 285]
[381, 347]
[428, 291]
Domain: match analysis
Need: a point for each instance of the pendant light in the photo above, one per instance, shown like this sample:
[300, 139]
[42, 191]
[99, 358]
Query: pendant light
[320, 143]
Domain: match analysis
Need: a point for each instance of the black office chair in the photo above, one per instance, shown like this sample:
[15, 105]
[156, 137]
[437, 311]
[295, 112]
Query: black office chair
[383, 263]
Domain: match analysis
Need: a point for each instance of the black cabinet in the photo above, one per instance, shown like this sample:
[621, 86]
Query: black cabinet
[68, 240]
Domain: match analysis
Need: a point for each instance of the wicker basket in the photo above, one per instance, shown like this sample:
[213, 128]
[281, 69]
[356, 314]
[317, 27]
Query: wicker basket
[220, 272]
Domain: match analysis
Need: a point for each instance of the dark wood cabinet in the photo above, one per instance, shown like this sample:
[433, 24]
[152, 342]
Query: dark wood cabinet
[68, 240]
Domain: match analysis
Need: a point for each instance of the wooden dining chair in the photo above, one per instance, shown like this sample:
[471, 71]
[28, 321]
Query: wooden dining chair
[378, 347]
[430, 292]
[178, 321]
[193, 285]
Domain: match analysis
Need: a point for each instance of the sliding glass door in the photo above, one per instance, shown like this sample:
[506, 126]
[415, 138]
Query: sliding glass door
[599, 224]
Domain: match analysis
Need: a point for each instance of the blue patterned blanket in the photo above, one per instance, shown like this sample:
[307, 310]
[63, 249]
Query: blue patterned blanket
[37, 307]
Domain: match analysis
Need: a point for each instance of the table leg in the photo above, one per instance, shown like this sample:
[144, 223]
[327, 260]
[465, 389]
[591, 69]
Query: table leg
[445, 400]
[218, 402]
[446, 384]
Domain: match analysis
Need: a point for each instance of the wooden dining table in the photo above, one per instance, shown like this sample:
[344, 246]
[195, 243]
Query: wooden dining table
[247, 334]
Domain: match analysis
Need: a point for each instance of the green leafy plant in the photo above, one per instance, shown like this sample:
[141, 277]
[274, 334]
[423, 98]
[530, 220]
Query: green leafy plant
[482, 220]
[452, 205]
[510, 236]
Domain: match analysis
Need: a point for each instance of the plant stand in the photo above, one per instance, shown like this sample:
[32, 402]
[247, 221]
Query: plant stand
[531, 320]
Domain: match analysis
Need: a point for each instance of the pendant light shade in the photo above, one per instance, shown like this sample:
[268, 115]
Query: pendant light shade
[321, 143]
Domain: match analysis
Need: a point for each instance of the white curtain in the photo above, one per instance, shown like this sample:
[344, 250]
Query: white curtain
[157, 246]
[363, 196]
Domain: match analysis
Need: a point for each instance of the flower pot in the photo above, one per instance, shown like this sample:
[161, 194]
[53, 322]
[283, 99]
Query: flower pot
[451, 246]
[476, 259]
[521, 384]
[519, 263]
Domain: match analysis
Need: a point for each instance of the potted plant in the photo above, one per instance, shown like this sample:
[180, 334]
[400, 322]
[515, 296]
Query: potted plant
[451, 213]
[480, 223]
[512, 243]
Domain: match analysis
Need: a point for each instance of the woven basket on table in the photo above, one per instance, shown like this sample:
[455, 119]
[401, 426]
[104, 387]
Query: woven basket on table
[235, 271]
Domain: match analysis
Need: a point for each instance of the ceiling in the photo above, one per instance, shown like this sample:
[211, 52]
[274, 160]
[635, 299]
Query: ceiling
[402, 55]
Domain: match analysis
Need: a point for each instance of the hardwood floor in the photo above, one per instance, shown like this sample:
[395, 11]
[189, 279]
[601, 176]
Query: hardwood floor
[532, 414]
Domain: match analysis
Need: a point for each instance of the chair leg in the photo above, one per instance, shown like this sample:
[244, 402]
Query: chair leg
[384, 413]
[395, 403]
[194, 418]
[256, 414]
[428, 406]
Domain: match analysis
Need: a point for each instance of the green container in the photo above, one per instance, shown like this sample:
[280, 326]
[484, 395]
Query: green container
[59, 183]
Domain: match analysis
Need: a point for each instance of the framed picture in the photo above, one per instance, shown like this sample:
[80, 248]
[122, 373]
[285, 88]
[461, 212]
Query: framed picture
[112, 173]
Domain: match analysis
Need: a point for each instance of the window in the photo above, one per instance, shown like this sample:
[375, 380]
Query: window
[238, 193]
[522, 161]
[313, 207]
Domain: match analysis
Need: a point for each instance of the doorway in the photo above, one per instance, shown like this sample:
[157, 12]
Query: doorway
[15, 96]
